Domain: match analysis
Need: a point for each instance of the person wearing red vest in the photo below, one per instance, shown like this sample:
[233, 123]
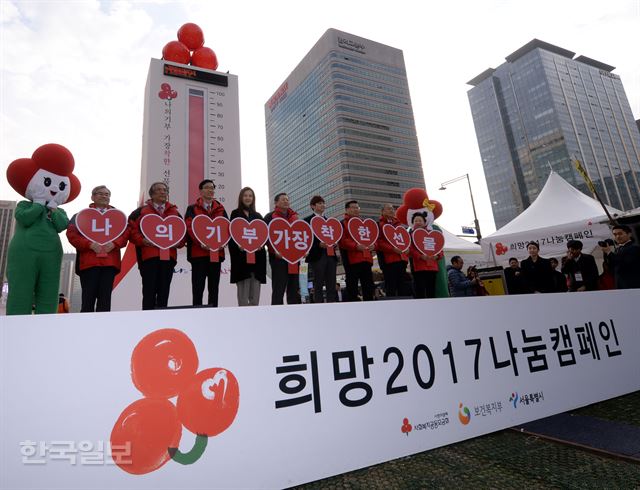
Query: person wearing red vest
[390, 257]
[202, 268]
[281, 280]
[156, 274]
[357, 263]
[96, 272]
[424, 269]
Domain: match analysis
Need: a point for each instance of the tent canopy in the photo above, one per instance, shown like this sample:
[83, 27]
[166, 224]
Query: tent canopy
[560, 213]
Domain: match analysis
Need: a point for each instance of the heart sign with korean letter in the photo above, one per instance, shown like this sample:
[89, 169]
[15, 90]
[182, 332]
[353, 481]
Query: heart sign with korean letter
[328, 231]
[164, 233]
[250, 236]
[101, 228]
[214, 233]
[291, 240]
[428, 242]
[398, 236]
[364, 232]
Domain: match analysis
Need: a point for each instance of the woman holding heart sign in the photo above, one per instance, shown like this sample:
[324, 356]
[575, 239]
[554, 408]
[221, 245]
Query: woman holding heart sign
[424, 263]
[98, 233]
[248, 269]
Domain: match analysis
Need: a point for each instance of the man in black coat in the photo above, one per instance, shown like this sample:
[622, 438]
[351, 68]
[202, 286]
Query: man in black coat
[624, 262]
[321, 264]
[581, 268]
[536, 271]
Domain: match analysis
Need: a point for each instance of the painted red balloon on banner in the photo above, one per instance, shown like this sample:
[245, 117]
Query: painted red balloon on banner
[204, 58]
[291, 240]
[209, 403]
[177, 52]
[214, 233]
[191, 36]
[251, 236]
[142, 434]
[101, 228]
[328, 231]
[398, 236]
[364, 232]
[428, 242]
[164, 233]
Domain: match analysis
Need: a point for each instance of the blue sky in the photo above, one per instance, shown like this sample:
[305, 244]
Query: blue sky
[74, 73]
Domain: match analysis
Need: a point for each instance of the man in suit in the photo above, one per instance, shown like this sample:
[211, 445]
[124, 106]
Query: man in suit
[581, 268]
[625, 261]
[321, 264]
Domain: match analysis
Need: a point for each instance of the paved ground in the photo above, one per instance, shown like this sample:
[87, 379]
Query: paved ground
[505, 459]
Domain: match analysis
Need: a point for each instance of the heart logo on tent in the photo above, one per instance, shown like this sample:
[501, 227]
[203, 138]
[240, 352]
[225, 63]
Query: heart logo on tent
[101, 228]
[251, 236]
[428, 242]
[291, 240]
[164, 233]
[364, 232]
[214, 233]
[398, 236]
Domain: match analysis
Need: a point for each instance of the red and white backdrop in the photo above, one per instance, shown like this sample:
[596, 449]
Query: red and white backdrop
[295, 393]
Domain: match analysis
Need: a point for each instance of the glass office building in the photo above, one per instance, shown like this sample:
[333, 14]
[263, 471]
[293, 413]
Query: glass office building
[539, 109]
[341, 126]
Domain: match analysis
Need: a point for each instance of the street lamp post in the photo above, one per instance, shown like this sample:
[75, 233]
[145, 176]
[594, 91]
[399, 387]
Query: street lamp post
[473, 204]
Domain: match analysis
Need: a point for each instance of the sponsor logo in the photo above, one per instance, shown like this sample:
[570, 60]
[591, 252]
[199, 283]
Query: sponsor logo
[406, 426]
[514, 399]
[464, 415]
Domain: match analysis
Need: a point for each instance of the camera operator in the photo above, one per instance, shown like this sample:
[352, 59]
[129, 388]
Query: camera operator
[625, 261]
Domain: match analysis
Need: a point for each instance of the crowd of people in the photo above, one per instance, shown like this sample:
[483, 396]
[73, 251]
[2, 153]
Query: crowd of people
[578, 271]
[97, 265]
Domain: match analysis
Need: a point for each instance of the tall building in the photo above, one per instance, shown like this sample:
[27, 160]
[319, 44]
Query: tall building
[539, 109]
[341, 125]
[7, 227]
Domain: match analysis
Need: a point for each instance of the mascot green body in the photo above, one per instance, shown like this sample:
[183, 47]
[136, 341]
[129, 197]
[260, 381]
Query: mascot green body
[35, 251]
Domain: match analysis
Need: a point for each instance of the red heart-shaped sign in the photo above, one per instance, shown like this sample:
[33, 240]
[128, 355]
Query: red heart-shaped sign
[214, 233]
[428, 242]
[398, 236]
[291, 240]
[164, 233]
[328, 231]
[364, 232]
[251, 236]
[101, 228]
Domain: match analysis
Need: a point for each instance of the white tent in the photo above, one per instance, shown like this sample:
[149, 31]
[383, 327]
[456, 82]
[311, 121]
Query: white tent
[470, 252]
[560, 213]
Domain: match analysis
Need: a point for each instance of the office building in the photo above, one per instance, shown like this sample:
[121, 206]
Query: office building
[341, 125]
[539, 109]
[7, 227]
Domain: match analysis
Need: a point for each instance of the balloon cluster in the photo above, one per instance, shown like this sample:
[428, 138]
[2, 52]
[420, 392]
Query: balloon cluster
[164, 364]
[190, 48]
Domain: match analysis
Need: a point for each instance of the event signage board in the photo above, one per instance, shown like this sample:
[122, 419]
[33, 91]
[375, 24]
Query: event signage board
[321, 389]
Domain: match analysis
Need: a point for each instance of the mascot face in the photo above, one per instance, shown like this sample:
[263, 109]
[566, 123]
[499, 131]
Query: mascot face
[47, 186]
[416, 201]
[45, 177]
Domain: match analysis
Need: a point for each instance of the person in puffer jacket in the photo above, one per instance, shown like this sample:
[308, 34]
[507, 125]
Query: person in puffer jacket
[423, 268]
[459, 284]
[97, 265]
[156, 274]
[202, 268]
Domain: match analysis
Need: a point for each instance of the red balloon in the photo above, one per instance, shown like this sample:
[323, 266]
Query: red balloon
[191, 36]
[204, 58]
[177, 52]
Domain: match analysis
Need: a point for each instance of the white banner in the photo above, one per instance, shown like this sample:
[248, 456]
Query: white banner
[552, 241]
[323, 389]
